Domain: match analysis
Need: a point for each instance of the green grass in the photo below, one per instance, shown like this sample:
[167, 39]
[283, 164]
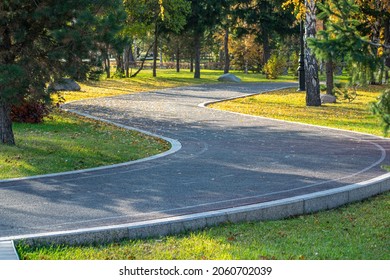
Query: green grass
[357, 231]
[67, 142]
[166, 78]
[290, 105]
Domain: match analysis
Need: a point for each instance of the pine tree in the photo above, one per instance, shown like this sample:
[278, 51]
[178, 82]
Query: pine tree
[351, 34]
[205, 14]
[39, 42]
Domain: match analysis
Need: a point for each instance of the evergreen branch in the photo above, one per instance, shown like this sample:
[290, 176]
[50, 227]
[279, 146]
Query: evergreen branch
[378, 45]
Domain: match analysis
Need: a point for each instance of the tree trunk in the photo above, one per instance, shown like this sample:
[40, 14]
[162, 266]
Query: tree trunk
[311, 64]
[178, 57]
[127, 60]
[155, 50]
[197, 55]
[266, 47]
[226, 49]
[6, 132]
[120, 65]
[329, 77]
[107, 64]
[142, 63]
[192, 63]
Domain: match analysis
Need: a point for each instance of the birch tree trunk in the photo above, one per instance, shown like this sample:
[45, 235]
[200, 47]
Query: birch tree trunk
[311, 64]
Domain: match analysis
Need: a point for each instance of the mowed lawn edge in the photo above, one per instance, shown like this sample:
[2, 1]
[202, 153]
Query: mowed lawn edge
[289, 105]
[67, 142]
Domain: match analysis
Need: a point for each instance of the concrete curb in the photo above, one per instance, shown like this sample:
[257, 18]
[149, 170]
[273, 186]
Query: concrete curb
[7, 251]
[280, 209]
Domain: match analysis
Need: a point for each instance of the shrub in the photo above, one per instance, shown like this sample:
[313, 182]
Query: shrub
[275, 66]
[30, 111]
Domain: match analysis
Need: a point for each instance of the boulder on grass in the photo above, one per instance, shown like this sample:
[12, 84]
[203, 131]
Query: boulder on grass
[229, 78]
[327, 98]
[65, 85]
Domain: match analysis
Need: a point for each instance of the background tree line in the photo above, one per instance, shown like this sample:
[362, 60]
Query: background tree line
[42, 41]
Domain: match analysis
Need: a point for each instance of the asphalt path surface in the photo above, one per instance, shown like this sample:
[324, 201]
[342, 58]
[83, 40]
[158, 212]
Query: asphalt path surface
[226, 160]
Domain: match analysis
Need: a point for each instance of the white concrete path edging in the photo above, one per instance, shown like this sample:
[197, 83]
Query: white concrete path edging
[279, 209]
[7, 251]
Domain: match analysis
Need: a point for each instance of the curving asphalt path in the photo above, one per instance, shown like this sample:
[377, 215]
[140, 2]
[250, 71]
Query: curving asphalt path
[225, 160]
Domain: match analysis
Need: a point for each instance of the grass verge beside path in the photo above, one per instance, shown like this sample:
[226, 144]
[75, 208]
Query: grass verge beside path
[165, 79]
[66, 142]
[357, 231]
[290, 105]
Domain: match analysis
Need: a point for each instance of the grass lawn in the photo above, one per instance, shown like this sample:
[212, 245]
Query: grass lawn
[165, 79]
[357, 231]
[290, 105]
[67, 142]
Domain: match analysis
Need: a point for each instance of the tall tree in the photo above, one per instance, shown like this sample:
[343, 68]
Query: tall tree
[205, 14]
[160, 16]
[39, 40]
[311, 64]
[307, 10]
[266, 19]
[109, 24]
[354, 32]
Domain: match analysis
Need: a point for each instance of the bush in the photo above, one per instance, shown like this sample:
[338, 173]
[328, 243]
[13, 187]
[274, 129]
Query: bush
[275, 66]
[30, 111]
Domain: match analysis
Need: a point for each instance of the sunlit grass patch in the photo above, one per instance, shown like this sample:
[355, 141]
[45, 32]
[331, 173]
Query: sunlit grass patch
[65, 142]
[290, 105]
[166, 78]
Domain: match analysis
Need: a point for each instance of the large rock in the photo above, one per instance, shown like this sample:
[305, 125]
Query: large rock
[65, 85]
[326, 98]
[229, 78]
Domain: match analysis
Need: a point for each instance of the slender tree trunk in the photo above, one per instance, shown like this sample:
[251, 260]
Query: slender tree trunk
[266, 47]
[329, 77]
[226, 49]
[311, 64]
[155, 50]
[192, 63]
[127, 60]
[6, 132]
[177, 57]
[120, 65]
[107, 64]
[197, 40]
[142, 63]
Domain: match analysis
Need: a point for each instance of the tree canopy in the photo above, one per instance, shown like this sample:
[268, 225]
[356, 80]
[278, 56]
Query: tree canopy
[41, 41]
